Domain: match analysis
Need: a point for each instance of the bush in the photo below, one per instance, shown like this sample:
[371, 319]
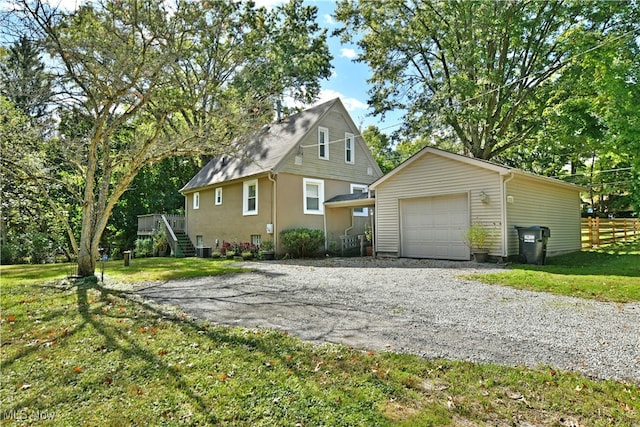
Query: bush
[40, 248]
[144, 247]
[9, 253]
[301, 242]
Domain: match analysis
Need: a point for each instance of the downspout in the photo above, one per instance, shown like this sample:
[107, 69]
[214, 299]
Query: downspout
[274, 210]
[324, 224]
[505, 231]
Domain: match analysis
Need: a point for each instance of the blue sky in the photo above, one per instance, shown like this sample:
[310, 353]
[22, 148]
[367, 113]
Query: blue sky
[349, 79]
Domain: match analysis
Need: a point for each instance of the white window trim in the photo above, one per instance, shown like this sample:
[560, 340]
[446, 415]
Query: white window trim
[324, 130]
[218, 196]
[349, 137]
[365, 211]
[245, 197]
[320, 184]
[196, 200]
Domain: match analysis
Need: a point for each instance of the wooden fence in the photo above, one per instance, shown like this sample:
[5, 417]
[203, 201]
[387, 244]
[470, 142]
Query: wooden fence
[602, 231]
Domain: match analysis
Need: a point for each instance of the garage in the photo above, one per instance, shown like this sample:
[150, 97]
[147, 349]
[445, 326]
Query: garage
[434, 227]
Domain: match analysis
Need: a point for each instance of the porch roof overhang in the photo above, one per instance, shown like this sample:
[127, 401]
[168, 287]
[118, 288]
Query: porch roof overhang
[355, 200]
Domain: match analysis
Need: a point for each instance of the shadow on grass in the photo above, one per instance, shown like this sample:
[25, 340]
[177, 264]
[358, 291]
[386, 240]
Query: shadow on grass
[105, 326]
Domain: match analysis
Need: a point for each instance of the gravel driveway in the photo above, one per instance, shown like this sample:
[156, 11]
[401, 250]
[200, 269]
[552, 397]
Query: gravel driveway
[420, 307]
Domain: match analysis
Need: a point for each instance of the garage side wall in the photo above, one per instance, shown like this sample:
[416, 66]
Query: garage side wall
[433, 175]
[533, 202]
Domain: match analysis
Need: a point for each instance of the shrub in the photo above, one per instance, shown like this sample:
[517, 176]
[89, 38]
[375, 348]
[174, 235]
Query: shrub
[144, 247]
[40, 248]
[301, 242]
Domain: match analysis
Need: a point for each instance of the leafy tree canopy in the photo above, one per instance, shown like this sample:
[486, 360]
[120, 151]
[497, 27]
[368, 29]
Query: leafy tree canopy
[480, 70]
[141, 81]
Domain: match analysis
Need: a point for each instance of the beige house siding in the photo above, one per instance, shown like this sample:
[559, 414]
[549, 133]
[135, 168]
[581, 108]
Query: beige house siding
[364, 170]
[291, 208]
[226, 222]
[532, 202]
[434, 175]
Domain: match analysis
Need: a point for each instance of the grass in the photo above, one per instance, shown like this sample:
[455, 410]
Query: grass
[80, 354]
[611, 273]
[139, 270]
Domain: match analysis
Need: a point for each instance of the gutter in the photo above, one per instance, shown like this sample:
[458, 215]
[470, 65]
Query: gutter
[274, 211]
[503, 190]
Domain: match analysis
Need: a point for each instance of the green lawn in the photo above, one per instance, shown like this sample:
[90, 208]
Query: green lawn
[79, 354]
[611, 273]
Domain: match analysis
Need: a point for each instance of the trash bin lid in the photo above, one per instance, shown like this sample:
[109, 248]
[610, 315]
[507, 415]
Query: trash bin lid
[545, 231]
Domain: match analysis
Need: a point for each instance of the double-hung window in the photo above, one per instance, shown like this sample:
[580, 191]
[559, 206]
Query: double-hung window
[313, 196]
[359, 188]
[349, 148]
[323, 143]
[250, 197]
[196, 200]
[218, 196]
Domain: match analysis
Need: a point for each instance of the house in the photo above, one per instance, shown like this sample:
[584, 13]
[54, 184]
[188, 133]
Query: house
[424, 207]
[282, 179]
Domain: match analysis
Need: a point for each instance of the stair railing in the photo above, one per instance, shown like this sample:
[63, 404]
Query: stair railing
[173, 240]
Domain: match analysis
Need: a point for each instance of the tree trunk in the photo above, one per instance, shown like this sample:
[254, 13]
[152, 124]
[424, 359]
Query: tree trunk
[86, 261]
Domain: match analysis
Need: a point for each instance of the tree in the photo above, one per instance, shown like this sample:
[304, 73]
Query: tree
[30, 226]
[480, 70]
[148, 80]
[24, 80]
[591, 126]
[381, 148]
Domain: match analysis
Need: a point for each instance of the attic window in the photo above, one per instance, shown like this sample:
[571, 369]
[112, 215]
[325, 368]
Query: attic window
[218, 196]
[323, 143]
[196, 200]
[349, 149]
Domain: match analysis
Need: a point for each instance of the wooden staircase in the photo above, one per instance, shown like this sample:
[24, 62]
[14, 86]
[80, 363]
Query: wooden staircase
[185, 247]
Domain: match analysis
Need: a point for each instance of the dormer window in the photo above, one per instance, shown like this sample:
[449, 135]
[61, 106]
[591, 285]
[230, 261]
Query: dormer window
[323, 143]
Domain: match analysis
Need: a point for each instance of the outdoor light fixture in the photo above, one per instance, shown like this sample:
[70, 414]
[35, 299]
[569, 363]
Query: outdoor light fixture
[484, 197]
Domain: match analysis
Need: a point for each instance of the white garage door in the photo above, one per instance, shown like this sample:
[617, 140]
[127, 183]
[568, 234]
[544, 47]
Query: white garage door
[434, 227]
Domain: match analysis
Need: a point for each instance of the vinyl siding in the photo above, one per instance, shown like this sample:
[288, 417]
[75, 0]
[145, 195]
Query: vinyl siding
[433, 175]
[335, 166]
[538, 203]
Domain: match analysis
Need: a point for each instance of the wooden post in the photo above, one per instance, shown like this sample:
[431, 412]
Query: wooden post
[613, 229]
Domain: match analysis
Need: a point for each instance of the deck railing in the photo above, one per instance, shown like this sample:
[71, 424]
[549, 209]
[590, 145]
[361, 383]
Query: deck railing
[602, 231]
[152, 223]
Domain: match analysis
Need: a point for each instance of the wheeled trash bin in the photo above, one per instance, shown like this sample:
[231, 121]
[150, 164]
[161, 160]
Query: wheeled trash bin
[532, 247]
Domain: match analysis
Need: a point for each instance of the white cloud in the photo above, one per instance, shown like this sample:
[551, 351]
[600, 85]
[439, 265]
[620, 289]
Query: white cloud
[351, 104]
[347, 53]
[328, 19]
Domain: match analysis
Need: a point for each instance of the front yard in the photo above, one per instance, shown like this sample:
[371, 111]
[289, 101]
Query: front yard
[77, 353]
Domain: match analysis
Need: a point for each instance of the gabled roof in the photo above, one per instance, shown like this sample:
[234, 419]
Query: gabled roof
[500, 169]
[265, 152]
